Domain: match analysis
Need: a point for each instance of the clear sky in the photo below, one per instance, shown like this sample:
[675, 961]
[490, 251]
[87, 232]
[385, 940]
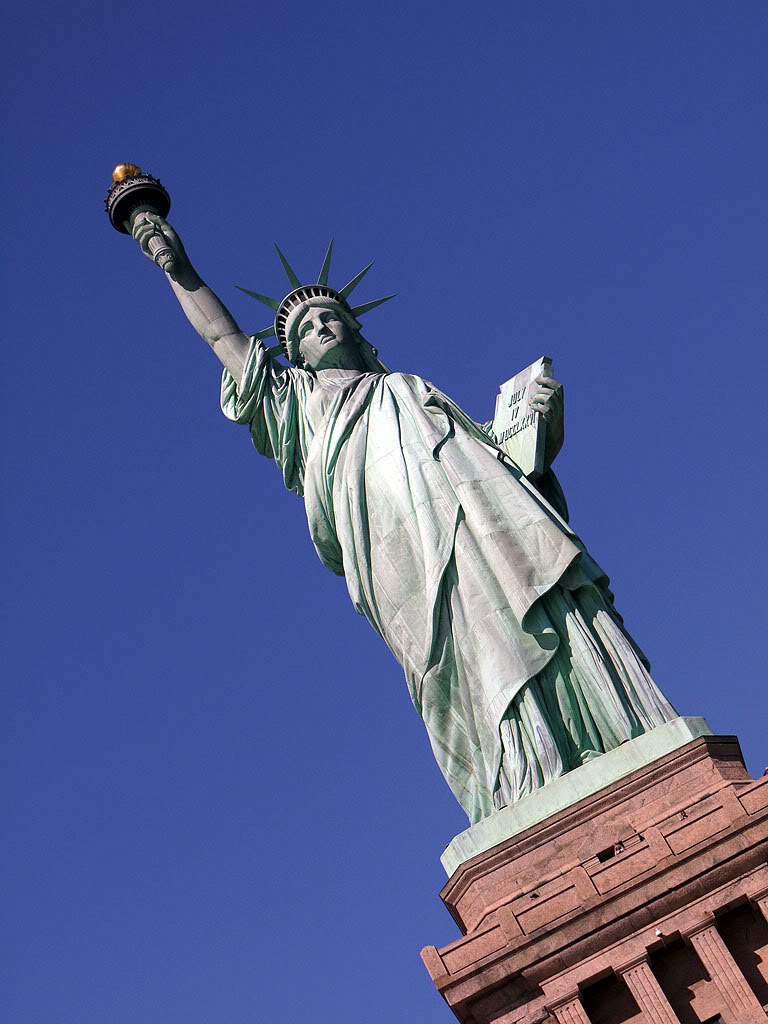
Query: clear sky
[219, 803]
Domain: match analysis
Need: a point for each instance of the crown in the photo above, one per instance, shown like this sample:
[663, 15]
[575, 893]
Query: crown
[302, 296]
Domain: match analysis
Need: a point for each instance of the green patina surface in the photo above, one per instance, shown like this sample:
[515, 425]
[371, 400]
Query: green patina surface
[570, 788]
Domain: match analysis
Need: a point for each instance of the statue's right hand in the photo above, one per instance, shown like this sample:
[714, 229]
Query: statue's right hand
[148, 226]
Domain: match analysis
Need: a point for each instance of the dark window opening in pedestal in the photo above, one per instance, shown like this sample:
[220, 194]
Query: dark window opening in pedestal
[744, 930]
[690, 991]
[610, 1002]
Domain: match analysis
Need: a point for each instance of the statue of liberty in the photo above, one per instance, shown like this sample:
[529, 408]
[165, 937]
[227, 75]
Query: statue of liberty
[513, 652]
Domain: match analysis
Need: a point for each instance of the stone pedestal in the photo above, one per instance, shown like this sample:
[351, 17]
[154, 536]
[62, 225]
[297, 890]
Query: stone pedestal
[641, 902]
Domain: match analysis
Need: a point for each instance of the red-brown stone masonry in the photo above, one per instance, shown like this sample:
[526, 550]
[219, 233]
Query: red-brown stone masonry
[515, 959]
[724, 971]
[571, 1011]
[605, 934]
[754, 796]
[511, 1004]
[648, 994]
[744, 931]
[681, 975]
[610, 1002]
[647, 797]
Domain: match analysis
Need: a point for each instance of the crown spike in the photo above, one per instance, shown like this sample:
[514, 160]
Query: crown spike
[323, 276]
[359, 310]
[268, 332]
[296, 283]
[272, 303]
[349, 288]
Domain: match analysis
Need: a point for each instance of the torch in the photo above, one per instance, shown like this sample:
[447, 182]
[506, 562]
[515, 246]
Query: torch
[132, 193]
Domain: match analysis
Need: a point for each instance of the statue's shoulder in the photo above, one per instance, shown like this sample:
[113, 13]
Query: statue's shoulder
[412, 387]
[410, 380]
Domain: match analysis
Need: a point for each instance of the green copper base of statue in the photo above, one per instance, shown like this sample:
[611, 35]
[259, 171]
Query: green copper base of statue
[513, 652]
[568, 790]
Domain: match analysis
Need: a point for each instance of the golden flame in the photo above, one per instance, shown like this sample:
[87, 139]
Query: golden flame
[123, 171]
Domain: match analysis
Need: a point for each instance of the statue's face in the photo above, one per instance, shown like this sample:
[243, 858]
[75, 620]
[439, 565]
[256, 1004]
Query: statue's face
[325, 339]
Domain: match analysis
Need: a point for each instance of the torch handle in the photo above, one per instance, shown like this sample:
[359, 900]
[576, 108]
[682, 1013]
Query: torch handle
[162, 253]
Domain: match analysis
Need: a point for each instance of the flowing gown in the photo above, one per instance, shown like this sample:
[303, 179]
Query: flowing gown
[505, 628]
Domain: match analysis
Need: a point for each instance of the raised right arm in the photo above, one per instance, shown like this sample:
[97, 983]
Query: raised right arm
[204, 310]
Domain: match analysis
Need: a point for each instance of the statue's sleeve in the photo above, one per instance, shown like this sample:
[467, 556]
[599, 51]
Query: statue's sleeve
[271, 400]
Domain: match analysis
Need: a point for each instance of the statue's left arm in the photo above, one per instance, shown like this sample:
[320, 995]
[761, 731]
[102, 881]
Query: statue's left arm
[548, 401]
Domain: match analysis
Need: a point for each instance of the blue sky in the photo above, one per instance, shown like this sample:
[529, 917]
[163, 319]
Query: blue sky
[219, 803]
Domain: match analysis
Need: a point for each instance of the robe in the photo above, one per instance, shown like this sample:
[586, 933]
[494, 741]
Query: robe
[501, 620]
